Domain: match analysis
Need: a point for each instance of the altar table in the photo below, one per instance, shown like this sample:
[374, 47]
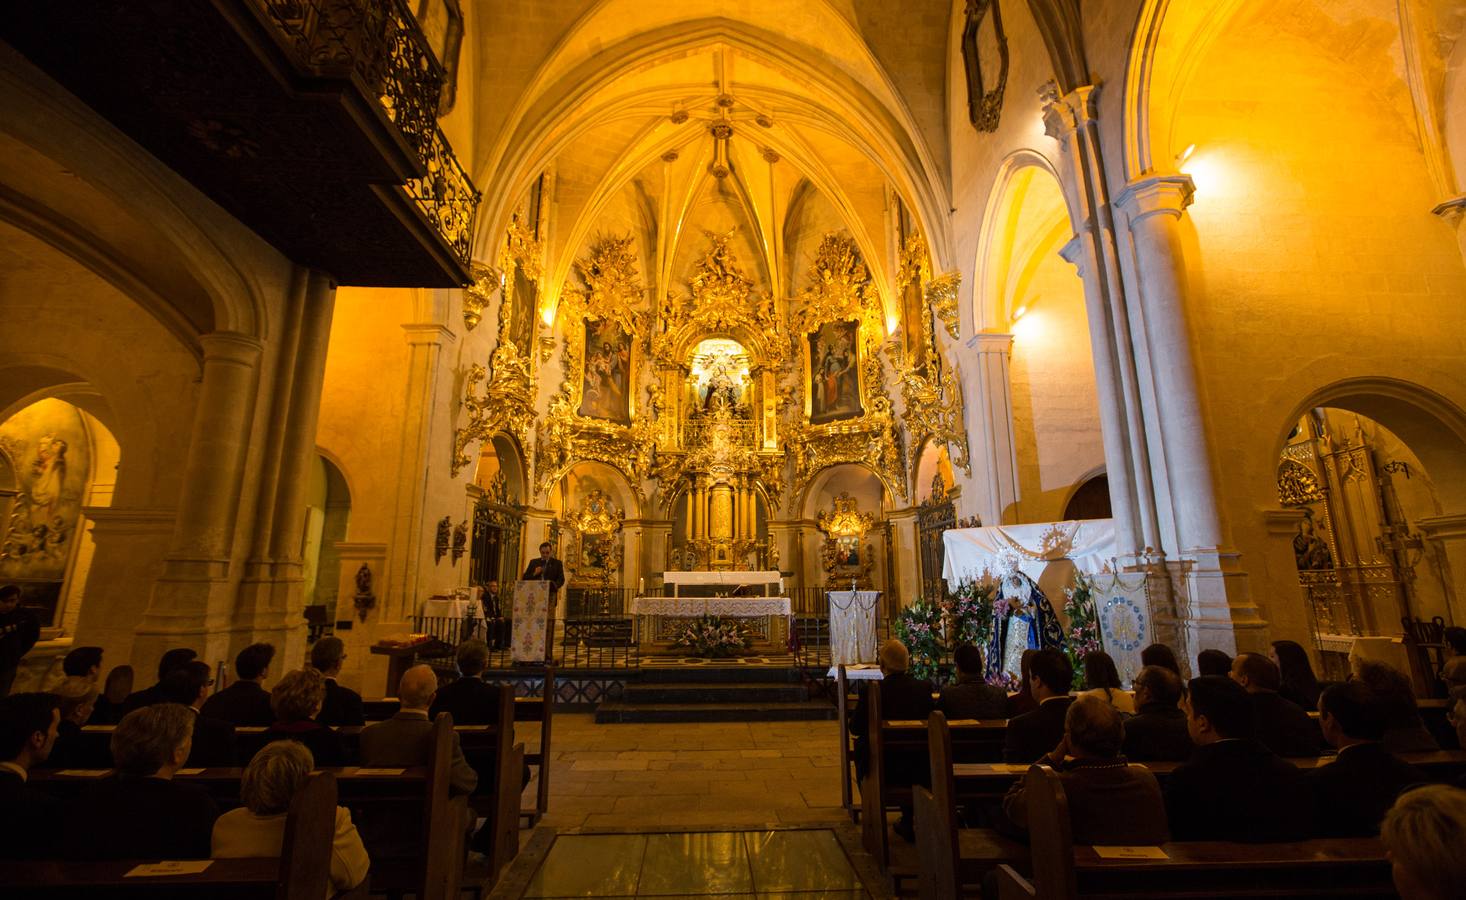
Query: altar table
[643, 608]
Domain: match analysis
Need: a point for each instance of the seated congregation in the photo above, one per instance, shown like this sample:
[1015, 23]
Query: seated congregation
[175, 772]
[1227, 766]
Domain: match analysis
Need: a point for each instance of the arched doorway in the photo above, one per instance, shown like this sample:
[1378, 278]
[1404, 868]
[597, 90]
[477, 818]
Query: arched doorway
[1091, 500]
[328, 511]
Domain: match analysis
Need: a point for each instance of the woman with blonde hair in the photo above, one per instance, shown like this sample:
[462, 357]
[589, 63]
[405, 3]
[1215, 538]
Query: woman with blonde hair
[267, 786]
[296, 700]
[1424, 833]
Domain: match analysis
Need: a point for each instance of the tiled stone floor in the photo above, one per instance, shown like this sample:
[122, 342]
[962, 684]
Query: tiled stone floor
[694, 775]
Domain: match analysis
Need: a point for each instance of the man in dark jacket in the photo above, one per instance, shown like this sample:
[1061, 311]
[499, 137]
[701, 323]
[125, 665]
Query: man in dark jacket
[470, 700]
[1352, 794]
[170, 662]
[971, 697]
[1157, 731]
[213, 739]
[342, 705]
[19, 631]
[1033, 734]
[245, 703]
[30, 820]
[1280, 724]
[546, 568]
[902, 697]
[1232, 788]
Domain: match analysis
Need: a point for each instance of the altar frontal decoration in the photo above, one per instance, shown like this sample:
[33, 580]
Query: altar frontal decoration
[713, 637]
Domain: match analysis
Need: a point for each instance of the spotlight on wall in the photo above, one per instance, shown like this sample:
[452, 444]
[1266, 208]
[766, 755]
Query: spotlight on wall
[1019, 313]
[1185, 155]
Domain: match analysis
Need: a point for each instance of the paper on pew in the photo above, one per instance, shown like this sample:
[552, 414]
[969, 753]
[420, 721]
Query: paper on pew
[190, 772]
[169, 867]
[84, 773]
[1104, 852]
[379, 771]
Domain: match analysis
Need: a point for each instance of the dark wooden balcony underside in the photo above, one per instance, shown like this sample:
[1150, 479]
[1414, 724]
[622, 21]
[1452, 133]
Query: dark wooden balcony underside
[312, 164]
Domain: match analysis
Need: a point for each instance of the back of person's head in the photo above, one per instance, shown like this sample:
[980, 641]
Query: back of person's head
[81, 660]
[327, 653]
[1294, 666]
[22, 716]
[1261, 673]
[273, 777]
[894, 656]
[473, 657]
[1053, 669]
[1393, 689]
[1025, 670]
[119, 683]
[1224, 703]
[1424, 833]
[185, 683]
[10, 593]
[1095, 728]
[1100, 671]
[1355, 708]
[173, 659]
[1213, 662]
[1160, 655]
[968, 659]
[417, 687]
[149, 738]
[1161, 685]
[1455, 638]
[77, 696]
[252, 661]
[298, 695]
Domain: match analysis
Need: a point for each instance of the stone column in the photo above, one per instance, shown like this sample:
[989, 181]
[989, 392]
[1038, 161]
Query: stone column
[192, 601]
[992, 391]
[905, 582]
[1072, 121]
[131, 545]
[1216, 605]
[1449, 534]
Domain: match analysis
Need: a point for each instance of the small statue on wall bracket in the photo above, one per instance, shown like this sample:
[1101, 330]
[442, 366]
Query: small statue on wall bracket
[460, 540]
[364, 600]
[440, 545]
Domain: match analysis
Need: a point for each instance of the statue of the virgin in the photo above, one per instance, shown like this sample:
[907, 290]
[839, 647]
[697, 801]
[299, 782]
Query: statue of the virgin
[1023, 620]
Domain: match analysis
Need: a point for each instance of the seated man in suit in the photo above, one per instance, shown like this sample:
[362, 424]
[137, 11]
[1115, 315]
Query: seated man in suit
[245, 703]
[1213, 662]
[83, 662]
[154, 694]
[342, 705]
[30, 820]
[1157, 731]
[213, 739]
[142, 813]
[470, 700]
[406, 738]
[1232, 788]
[496, 616]
[1110, 802]
[1035, 733]
[902, 697]
[1280, 724]
[972, 697]
[1424, 833]
[1352, 793]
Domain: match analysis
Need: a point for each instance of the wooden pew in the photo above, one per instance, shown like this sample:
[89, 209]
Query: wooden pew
[844, 703]
[950, 856]
[302, 871]
[1352, 867]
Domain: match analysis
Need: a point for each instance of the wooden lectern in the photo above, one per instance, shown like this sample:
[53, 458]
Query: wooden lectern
[534, 622]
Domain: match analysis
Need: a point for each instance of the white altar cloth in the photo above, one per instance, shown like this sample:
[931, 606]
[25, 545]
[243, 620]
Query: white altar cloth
[450, 608]
[971, 553]
[729, 579]
[732, 607]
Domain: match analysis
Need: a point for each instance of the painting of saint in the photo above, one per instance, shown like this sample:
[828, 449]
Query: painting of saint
[605, 389]
[834, 390]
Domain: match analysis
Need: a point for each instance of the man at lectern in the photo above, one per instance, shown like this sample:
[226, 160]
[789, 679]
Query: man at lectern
[546, 568]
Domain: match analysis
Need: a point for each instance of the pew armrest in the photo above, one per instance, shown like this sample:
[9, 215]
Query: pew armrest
[1012, 886]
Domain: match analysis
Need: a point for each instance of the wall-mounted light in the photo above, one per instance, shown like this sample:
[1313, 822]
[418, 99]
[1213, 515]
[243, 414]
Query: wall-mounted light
[1185, 155]
[1019, 313]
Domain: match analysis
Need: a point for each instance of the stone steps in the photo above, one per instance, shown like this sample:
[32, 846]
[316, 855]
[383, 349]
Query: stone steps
[715, 692]
[619, 711]
[708, 692]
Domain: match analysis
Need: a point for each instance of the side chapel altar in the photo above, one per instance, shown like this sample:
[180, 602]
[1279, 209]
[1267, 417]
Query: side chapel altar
[696, 594]
[1028, 565]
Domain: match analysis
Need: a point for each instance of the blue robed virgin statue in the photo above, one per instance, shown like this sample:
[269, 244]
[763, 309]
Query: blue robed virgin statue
[1023, 620]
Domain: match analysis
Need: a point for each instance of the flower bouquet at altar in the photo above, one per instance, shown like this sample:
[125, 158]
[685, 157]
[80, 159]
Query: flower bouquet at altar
[713, 637]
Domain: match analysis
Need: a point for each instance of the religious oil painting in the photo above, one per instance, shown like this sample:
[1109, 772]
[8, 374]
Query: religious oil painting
[45, 454]
[834, 373]
[606, 392]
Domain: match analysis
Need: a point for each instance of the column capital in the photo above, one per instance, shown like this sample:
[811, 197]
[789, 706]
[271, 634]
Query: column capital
[1073, 253]
[1445, 528]
[1064, 114]
[1168, 194]
[990, 342]
[231, 347]
[428, 333]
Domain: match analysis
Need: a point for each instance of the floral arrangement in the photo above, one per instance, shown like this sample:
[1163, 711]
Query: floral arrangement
[971, 610]
[1084, 633]
[919, 627]
[713, 636]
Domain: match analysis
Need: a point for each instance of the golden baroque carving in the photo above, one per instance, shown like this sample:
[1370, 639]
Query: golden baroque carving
[613, 285]
[478, 295]
[933, 410]
[839, 289]
[1298, 485]
[846, 520]
[507, 403]
[941, 298]
[721, 299]
[521, 247]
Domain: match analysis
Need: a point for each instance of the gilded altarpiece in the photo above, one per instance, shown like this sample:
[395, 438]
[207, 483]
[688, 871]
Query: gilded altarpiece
[594, 557]
[931, 394]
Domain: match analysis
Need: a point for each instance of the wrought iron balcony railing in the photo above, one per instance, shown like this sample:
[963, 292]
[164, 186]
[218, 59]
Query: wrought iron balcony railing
[380, 43]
